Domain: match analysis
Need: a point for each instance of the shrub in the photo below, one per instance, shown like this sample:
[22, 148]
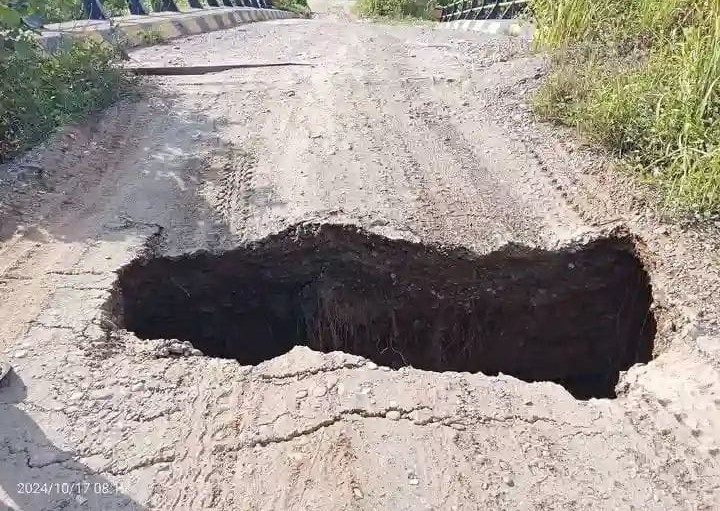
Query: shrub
[150, 37]
[40, 92]
[643, 78]
[298, 6]
[395, 8]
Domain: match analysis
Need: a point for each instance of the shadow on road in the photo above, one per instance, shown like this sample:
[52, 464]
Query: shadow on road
[36, 475]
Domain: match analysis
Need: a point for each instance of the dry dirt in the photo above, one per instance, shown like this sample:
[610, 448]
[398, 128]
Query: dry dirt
[411, 133]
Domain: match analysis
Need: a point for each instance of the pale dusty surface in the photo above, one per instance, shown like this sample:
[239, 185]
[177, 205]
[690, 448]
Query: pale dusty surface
[406, 131]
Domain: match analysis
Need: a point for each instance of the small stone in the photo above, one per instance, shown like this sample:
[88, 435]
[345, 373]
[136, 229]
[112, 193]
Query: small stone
[385, 368]
[176, 349]
[420, 417]
[196, 352]
[100, 394]
[137, 387]
[76, 396]
[371, 365]
[319, 391]
[301, 394]
[358, 494]
[508, 481]
[414, 481]
[393, 415]
[21, 354]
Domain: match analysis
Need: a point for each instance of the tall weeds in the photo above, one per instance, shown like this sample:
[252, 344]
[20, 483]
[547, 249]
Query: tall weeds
[40, 92]
[643, 78]
[396, 8]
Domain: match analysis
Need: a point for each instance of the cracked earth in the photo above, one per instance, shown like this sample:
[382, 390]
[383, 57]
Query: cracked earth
[410, 133]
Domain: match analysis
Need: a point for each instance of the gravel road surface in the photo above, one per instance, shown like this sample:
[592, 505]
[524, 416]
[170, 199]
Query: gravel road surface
[407, 132]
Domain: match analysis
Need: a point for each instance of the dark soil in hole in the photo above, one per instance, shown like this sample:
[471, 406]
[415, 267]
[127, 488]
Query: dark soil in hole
[576, 317]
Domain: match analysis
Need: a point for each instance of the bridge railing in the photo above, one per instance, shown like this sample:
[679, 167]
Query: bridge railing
[481, 9]
[94, 9]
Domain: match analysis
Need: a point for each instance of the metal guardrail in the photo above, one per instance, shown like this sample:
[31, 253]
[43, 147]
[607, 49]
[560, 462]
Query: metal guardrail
[481, 10]
[94, 10]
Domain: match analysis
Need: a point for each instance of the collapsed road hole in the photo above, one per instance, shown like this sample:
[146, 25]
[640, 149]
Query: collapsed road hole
[576, 316]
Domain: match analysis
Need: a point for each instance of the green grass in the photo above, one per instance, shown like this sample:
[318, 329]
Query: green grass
[402, 10]
[298, 6]
[641, 77]
[39, 93]
[150, 37]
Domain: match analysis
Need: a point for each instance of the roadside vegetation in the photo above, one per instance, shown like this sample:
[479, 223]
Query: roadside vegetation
[298, 6]
[398, 9]
[150, 37]
[39, 92]
[641, 77]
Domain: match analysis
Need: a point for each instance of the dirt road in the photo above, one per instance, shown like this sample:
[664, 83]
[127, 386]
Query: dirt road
[409, 133]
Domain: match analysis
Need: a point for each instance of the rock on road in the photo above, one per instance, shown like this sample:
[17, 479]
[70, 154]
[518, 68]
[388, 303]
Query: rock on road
[408, 131]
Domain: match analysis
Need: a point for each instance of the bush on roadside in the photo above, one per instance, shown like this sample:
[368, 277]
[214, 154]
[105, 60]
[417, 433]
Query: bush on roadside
[396, 8]
[643, 78]
[40, 92]
[299, 6]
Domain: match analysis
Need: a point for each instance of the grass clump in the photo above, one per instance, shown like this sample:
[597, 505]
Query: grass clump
[40, 92]
[298, 6]
[150, 37]
[641, 77]
[396, 9]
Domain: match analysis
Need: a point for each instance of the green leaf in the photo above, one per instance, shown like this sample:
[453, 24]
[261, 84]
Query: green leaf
[10, 17]
[23, 49]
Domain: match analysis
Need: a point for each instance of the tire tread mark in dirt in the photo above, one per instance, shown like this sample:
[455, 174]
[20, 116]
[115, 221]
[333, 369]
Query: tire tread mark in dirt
[236, 176]
[574, 200]
[469, 165]
[412, 169]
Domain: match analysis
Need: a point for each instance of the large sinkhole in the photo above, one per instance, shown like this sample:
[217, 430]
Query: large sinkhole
[576, 316]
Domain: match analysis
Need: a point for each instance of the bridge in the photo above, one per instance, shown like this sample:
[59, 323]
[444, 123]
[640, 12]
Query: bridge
[94, 9]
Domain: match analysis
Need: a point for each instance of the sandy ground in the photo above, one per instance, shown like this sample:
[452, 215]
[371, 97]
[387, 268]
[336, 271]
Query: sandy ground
[406, 131]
